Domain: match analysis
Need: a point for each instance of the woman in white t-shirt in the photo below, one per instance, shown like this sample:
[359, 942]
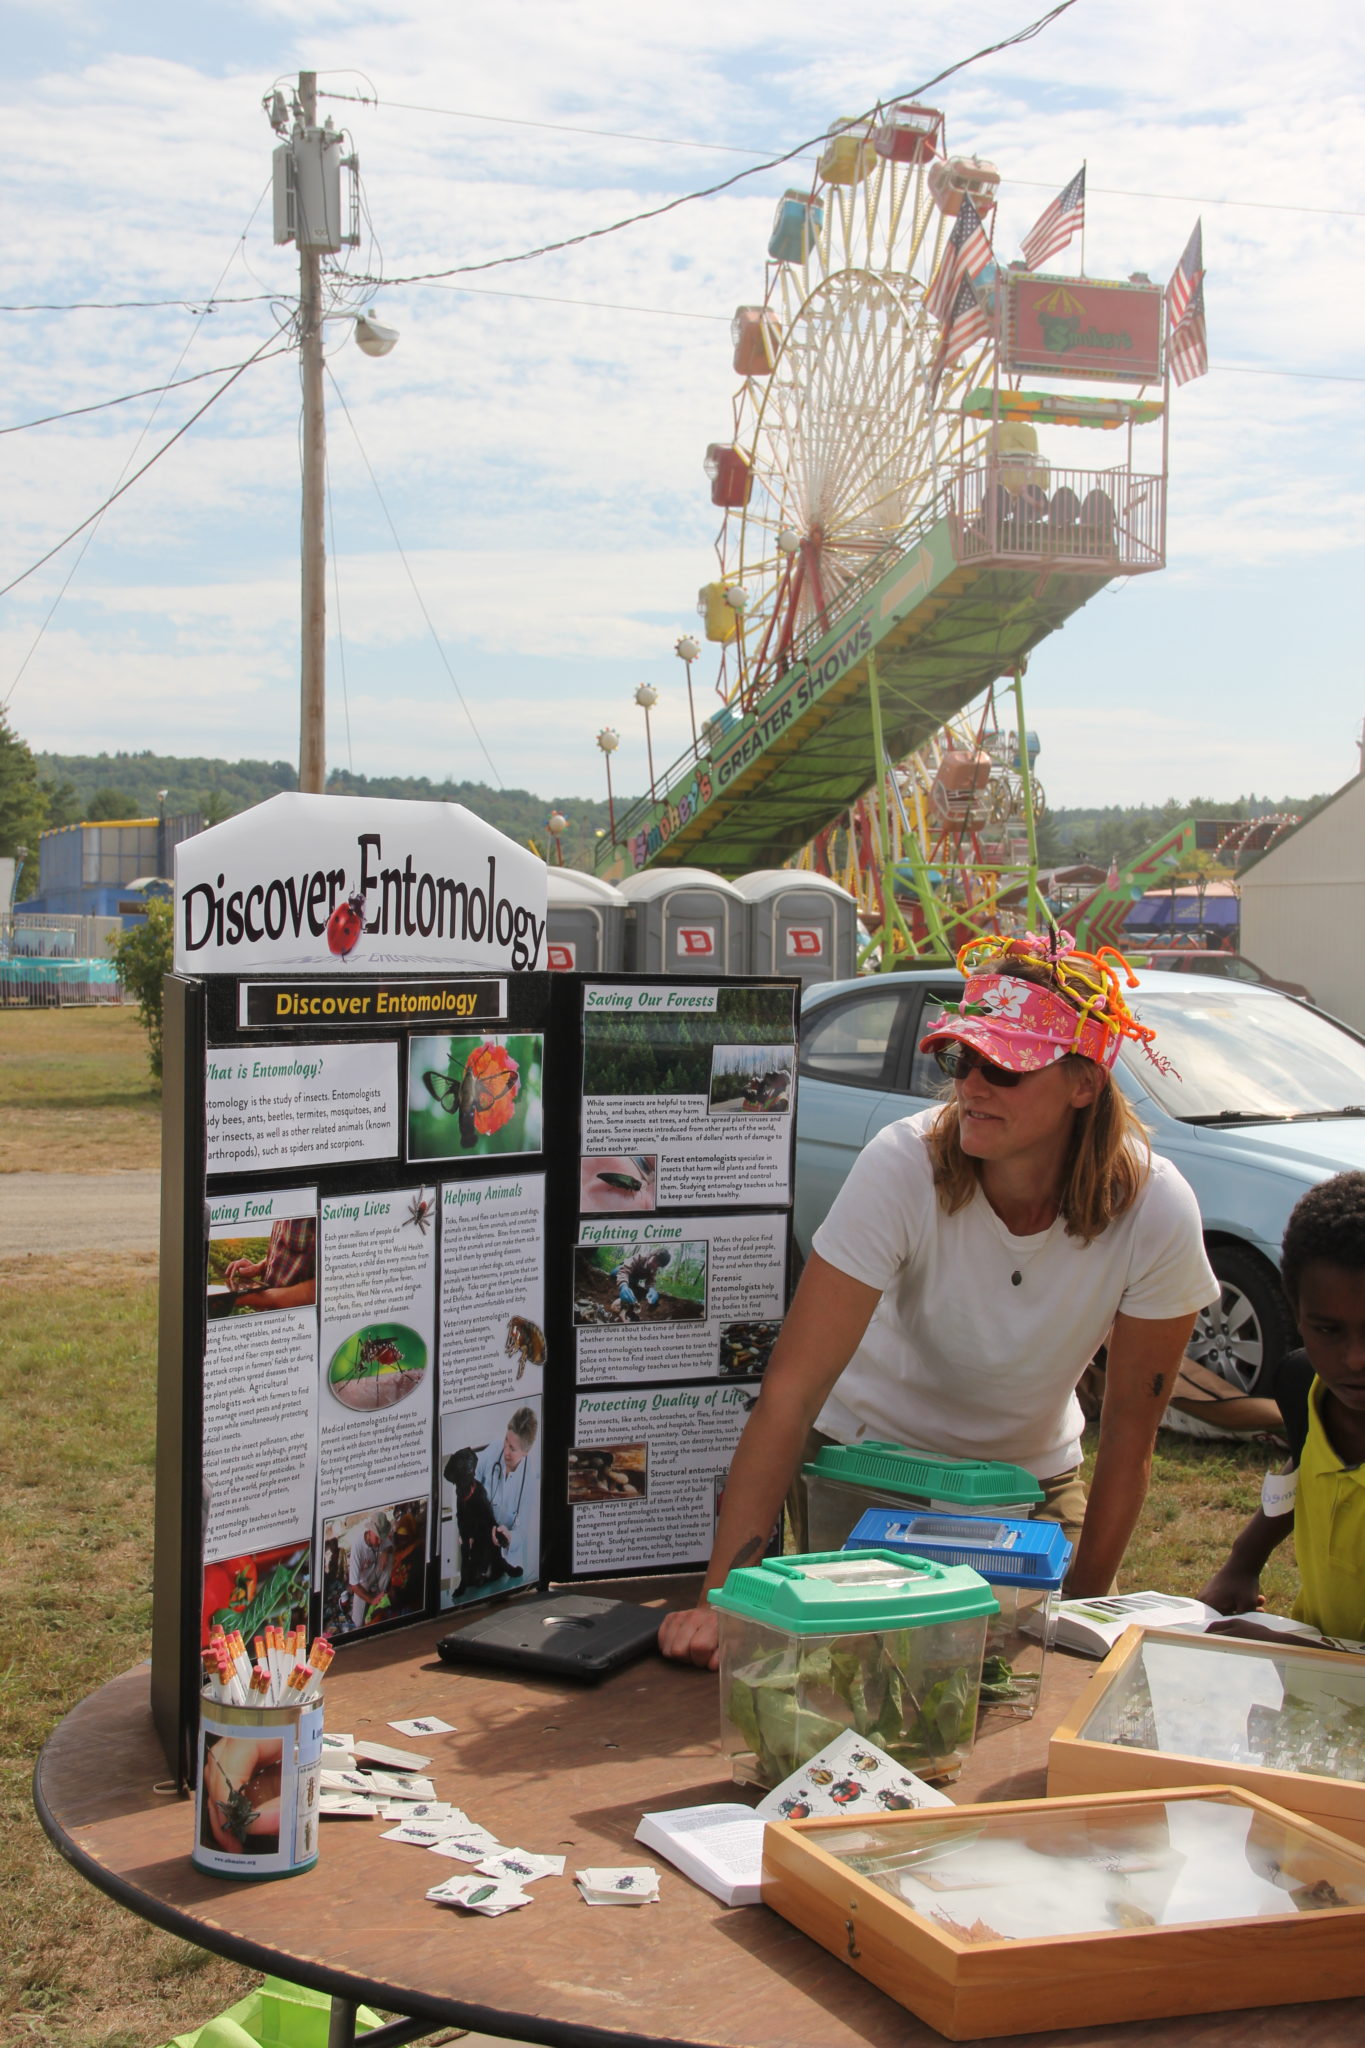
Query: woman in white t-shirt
[975, 1259]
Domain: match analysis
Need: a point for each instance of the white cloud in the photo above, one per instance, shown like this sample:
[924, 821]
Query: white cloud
[542, 462]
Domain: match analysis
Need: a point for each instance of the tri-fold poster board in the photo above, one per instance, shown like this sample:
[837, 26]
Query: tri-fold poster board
[470, 1271]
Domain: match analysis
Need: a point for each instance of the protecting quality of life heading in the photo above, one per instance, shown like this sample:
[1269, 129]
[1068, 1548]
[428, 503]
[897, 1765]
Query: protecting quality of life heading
[399, 902]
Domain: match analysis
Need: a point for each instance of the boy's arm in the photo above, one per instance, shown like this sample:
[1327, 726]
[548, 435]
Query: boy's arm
[1235, 1587]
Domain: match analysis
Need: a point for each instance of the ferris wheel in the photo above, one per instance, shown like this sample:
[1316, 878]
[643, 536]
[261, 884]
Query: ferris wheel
[843, 420]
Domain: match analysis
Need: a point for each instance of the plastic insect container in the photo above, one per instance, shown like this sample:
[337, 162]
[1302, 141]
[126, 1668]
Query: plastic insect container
[846, 1480]
[757, 336]
[1282, 1719]
[731, 474]
[1023, 1563]
[796, 223]
[887, 1646]
[912, 135]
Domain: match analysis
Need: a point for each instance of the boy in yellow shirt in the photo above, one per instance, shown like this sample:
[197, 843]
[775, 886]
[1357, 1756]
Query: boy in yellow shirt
[1321, 1493]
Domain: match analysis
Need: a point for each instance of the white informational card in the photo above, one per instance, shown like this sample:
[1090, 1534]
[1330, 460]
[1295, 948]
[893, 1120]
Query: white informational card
[260, 1371]
[300, 1106]
[492, 1289]
[674, 1298]
[647, 1471]
[699, 1082]
[377, 1403]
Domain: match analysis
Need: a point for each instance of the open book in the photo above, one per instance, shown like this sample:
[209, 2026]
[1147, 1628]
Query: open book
[721, 1847]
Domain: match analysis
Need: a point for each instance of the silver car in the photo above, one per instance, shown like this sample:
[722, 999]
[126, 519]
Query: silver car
[1266, 1098]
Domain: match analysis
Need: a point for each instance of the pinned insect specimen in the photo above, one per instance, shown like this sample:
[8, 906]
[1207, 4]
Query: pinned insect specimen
[419, 1211]
[485, 1096]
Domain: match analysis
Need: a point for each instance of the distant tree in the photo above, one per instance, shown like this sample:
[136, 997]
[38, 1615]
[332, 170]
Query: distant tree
[64, 806]
[111, 803]
[215, 805]
[142, 956]
[23, 804]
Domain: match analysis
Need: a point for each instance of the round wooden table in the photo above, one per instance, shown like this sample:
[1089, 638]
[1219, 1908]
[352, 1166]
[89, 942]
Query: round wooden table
[562, 1769]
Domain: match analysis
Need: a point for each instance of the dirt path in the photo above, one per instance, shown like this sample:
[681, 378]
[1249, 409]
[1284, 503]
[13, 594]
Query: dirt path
[71, 1213]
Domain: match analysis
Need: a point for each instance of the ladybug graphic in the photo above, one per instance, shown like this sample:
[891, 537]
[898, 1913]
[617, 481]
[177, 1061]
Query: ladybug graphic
[345, 926]
[846, 1791]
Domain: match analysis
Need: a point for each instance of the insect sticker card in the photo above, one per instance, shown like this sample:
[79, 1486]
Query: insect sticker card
[850, 1775]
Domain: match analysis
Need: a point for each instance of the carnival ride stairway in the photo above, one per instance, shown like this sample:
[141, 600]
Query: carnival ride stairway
[958, 602]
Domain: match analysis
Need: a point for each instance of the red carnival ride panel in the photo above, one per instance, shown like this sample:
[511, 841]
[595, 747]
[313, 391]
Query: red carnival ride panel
[1073, 328]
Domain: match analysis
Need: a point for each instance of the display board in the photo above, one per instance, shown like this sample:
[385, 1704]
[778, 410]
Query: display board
[468, 1284]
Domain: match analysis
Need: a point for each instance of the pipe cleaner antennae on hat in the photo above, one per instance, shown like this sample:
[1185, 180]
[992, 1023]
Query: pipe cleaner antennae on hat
[1087, 981]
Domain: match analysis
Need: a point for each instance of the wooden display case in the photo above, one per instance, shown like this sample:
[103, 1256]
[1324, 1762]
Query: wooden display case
[1035, 1914]
[1165, 1708]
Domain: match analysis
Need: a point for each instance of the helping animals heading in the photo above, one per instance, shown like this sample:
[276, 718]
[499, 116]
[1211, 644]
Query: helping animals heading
[406, 904]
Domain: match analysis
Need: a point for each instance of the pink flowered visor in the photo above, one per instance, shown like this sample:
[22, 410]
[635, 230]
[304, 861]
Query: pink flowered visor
[1022, 1027]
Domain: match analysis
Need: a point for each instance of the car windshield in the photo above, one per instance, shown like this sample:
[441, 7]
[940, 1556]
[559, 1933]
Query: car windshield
[1244, 1055]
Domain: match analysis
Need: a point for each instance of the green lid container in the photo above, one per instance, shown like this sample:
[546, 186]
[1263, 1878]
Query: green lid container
[964, 1483]
[840, 1592]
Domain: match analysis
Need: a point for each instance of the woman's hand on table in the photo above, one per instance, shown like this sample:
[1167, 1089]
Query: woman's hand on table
[691, 1635]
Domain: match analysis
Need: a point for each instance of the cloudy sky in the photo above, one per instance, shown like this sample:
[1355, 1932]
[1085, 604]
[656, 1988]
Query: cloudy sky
[536, 438]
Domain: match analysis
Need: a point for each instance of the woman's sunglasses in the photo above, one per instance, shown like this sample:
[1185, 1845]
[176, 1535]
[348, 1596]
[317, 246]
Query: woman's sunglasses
[957, 1060]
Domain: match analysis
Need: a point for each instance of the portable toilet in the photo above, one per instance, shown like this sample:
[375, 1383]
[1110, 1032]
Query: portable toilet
[684, 921]
[800, 924]
[586, 923]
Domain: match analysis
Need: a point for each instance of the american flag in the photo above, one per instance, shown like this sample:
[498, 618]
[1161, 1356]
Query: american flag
[1054, 228]
[967, 321]
[1187, 341]
[966, 256]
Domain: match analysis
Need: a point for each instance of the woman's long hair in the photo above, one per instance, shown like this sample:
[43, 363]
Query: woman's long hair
[1107, 1162]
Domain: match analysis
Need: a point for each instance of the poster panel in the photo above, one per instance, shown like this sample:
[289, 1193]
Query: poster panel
[647, 1471]
[679, 1297]
[698, 1084]
[490, 1481]
[260, 1407]
[376, 1374]
[272, 1108]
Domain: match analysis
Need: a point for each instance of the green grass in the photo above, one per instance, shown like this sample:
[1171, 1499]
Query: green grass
[76, 1434]
[76, 1093]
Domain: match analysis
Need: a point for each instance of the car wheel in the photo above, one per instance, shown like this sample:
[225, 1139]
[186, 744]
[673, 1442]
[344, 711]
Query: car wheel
[1245, 1333]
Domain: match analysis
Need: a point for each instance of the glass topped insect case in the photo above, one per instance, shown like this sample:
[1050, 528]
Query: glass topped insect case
[1037, 1914]
[1171, 1709]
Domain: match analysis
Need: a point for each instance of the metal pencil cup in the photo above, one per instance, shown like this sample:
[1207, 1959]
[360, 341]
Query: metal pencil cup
[256, 1796]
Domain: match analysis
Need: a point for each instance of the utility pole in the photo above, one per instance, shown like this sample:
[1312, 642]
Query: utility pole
[312, 538]
[308, 212]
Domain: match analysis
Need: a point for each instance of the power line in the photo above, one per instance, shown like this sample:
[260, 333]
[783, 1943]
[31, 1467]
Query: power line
[738, 149]
[421, 602]
[151, 391]
[114, 496]
[196, 306]
[1023, 35]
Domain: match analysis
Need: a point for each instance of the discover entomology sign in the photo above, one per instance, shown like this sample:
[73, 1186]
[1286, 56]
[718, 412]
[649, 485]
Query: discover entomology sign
[348, 884]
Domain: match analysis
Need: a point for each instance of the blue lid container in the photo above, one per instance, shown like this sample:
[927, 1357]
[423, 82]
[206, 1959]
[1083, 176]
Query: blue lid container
[1026, 1554]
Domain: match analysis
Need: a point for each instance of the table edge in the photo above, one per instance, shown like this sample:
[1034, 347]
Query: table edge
[532, 2027]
